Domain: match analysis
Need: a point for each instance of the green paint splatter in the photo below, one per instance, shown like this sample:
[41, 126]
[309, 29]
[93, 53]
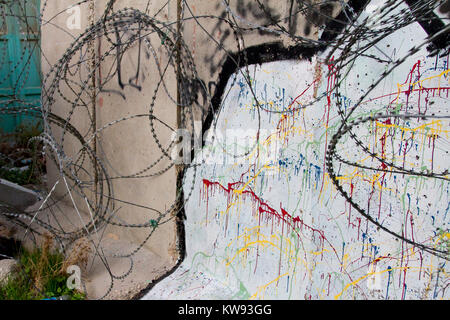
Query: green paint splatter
[153, 223]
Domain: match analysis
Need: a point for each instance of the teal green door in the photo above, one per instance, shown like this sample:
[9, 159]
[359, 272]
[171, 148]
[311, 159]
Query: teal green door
[20, 76]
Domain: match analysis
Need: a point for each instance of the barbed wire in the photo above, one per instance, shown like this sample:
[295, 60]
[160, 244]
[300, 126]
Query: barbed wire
[72, 84]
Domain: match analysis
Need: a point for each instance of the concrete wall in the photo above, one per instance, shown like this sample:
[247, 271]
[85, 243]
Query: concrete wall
[272, 225]
[124, 149]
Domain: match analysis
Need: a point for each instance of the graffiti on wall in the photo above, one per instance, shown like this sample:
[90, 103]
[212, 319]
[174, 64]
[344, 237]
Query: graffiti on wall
[319, 166]
[324, 179]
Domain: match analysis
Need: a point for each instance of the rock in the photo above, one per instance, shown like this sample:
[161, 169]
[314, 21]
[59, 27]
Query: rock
[17, 196]
[7, 267]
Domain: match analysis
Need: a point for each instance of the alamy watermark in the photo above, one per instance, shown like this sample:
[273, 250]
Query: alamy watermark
[74, 280]
[73, 22]
[215, 146]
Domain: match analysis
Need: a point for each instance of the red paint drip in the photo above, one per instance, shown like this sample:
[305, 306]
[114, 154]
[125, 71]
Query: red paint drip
[264, 210]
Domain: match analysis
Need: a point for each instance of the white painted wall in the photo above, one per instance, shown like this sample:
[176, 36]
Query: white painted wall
[241, 238]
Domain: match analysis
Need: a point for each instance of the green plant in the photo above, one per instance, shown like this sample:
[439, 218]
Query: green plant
[24, 133]
[40, 276]
[20, 177]
[16, 288]
[17, 146]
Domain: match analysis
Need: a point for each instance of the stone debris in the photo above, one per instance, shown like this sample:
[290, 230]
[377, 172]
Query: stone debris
[17, 196]
[7, 267]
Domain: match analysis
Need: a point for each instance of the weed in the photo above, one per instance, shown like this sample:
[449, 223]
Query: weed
[41, 276]
[21, 177]
[79, 254]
